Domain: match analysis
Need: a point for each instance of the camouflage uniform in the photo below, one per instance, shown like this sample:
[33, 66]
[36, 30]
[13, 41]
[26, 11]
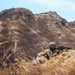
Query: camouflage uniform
[46, 54]
[52, 46]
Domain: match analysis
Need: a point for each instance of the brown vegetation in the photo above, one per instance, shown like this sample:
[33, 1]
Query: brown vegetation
[63, 64]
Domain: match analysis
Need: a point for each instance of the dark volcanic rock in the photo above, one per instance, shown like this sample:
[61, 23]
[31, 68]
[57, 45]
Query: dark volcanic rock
[33, 32]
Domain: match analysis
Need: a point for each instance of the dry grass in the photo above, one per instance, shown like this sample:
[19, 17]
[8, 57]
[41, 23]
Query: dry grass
[63, 64]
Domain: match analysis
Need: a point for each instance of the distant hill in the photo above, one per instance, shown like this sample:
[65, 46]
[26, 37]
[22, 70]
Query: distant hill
[32, 32]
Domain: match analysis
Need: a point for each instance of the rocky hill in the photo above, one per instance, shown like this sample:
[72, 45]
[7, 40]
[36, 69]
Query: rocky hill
[32, 32]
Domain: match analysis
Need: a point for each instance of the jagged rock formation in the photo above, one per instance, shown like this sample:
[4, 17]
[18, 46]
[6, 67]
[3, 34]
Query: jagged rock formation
[32, 32]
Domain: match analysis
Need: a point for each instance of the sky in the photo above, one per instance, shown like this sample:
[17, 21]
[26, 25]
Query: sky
[64, 8]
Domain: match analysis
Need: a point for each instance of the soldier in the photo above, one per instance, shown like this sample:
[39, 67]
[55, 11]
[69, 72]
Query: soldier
[56, 49]
[52, 46]
[48, 52]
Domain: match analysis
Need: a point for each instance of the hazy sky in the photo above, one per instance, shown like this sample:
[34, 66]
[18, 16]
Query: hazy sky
[65, 8]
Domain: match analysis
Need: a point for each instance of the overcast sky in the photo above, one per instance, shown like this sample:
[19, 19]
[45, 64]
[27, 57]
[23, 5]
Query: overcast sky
[65, 8]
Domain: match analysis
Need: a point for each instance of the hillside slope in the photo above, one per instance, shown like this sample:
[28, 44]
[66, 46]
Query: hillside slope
[32, 32]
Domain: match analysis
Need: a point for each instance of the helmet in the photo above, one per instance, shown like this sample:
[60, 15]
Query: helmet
[52, 43]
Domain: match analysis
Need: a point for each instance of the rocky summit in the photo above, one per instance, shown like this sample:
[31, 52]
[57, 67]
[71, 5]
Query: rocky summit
[32, 32]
